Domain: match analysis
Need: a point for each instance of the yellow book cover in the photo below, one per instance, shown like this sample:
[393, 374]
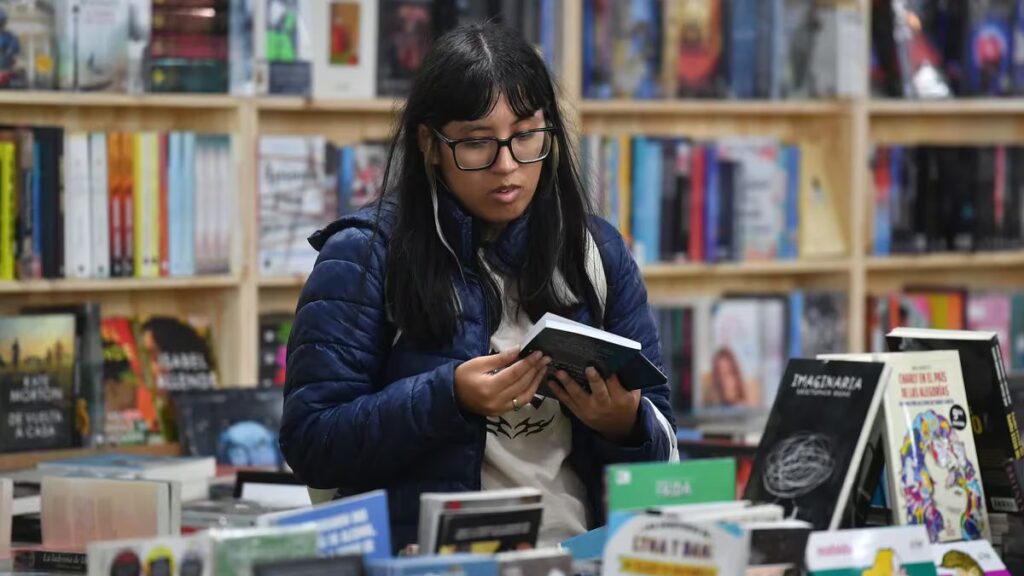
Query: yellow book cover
[820, 233]
[139, 203]
[8, 171]
[626, 188]
[153, 205]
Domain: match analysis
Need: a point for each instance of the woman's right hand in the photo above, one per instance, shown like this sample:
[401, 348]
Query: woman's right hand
[487, 385]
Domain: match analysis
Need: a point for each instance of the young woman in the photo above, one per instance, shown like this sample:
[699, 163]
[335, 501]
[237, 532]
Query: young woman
[403, 371]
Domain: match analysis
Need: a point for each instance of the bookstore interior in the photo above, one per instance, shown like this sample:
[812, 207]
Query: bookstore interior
[844, 353]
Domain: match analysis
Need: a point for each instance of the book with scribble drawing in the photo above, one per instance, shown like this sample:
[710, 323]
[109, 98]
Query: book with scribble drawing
[816, 442]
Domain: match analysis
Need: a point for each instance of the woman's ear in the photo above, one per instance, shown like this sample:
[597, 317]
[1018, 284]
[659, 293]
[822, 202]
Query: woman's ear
[426, 142]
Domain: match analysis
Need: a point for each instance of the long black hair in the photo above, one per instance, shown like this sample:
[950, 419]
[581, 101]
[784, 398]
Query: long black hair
[461, 79]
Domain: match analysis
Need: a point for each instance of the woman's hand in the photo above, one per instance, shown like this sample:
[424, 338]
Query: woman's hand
[487, 385]
[609, 409]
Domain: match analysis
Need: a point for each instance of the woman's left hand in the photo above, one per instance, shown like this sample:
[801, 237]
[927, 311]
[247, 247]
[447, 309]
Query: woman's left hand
[609, 409]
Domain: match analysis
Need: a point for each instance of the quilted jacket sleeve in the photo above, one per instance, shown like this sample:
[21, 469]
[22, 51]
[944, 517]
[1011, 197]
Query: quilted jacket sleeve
[341, 426]
[627, 314]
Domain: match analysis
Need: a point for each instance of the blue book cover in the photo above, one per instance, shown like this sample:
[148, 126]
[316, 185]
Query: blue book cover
[355, 525]
[988, 55]
[188, 161]
[175, 210]
[548, 39]
[451, 565]
[586, 546]
[346, 177]
[588, 46]
[1018, 48]
[792, 156]
[711, 203]
[796, 313]
[646, 199]
[743, 38]
[883, 204]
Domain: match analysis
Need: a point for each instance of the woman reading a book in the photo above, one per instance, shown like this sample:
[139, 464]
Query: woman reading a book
[403, 366]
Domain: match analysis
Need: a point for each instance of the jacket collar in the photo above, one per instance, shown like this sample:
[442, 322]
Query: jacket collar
[506, 253]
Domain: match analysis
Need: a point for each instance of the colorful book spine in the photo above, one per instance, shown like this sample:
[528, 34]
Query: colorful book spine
[7, 215]
[99, 188]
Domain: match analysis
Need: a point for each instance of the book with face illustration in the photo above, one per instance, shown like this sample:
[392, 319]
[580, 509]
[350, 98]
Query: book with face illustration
[820, 427]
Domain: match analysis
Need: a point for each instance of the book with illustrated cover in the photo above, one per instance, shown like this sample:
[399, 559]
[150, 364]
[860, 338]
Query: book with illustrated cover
[654, 544]
[37, 372]
[899, 550]
[166, 555]
[996, 431]
[283, 47]
[344, 48]
[405, 36]
[274, 332]
[693, 45]
[777, 548]
[573, 347]
[934, 476]
[296, 200]
[817, 439]
[237, 426]
[131, 404]
[975, 558]
[28, 60]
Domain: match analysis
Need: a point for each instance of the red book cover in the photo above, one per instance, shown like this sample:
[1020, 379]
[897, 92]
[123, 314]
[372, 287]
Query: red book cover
[189, 46]
[697, 205]
[132, 412]
[165, 264]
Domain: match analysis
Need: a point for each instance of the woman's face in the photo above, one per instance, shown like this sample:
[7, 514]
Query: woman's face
[501, 193]
[730, 383]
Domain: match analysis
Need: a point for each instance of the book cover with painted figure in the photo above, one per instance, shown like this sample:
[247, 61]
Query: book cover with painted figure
[344, 48]
[900, 550]
[815, 441]
[405, 36]
[975, 558]
[692, 49]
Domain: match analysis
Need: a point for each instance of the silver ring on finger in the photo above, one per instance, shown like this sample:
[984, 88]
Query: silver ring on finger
[515, 405]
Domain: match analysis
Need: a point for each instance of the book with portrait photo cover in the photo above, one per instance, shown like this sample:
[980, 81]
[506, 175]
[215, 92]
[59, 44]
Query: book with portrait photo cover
[573, 347]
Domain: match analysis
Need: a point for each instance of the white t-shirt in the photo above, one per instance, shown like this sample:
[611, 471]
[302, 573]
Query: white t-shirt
[531, 447]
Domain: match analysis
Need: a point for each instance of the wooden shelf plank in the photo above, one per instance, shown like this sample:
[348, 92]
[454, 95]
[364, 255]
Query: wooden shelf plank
[711, 107]
[974, 261]
[283, 282]
[295, 103]
[118, 284]
[21, 460]
[781, 268]
[113, 100]
[949, 107]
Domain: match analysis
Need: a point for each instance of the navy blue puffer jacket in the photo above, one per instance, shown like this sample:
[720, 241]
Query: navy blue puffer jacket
[365, 411]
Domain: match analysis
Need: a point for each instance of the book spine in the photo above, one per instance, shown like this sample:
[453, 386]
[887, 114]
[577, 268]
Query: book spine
[189, 46]
[1017, 464]
[139, 205]
[7, 218]
[184, 20]
[129, 198]
[50, 561]
[190, 212]
[99, 203]
[164, 210]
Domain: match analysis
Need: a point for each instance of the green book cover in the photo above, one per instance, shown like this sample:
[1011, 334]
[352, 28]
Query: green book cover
[873, 551]
[236, 551]
[647, 485]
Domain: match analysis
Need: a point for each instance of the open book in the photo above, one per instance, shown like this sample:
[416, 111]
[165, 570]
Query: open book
[573, 347]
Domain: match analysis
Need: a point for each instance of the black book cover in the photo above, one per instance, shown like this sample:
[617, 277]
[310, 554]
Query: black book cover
[58, 167]
[33, 560]
[349, 565]
[887, 82]
[1014, 197]
[237, 426]
[728, 179]
[406, 34]
[37, 362]
[90, 414]
[996, 431]
[499, 530]
[779, 547]
[816, 435]
[669, 223]
[683, 183]
[49, 184]
[982, 194]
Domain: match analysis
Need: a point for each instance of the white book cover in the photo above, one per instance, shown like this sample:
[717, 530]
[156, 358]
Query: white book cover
[228, 204]
[975, 558]
[77, 209]
[295, 202]
[655, 544]
[6, 511]
[79, 510]
[167, 555]
[734, 380]
[202, 233]
[66, 33]
[903, 550]
[102, 29]
[99, 202]
[344, 36]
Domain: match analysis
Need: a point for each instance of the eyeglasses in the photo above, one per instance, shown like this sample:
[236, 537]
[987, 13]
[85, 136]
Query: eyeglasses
[526, 147]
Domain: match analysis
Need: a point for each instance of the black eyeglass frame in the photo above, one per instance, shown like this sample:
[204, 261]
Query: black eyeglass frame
[502, 143]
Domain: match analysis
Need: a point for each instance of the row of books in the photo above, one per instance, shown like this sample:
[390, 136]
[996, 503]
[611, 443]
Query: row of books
[952, 308]
[356, 49]
[99, 205]
[947, 198]
[937, 49]
[305, 183]
[74, 378]
[722, 49]
[728, 200]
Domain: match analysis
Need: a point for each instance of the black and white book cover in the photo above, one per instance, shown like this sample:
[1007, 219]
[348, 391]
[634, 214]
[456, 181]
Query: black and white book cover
[489, 530]
[348, 565]
[813, 444]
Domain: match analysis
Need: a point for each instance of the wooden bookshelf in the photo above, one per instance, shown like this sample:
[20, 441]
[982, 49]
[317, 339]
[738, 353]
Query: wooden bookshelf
[21, 460]
[844, 129]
